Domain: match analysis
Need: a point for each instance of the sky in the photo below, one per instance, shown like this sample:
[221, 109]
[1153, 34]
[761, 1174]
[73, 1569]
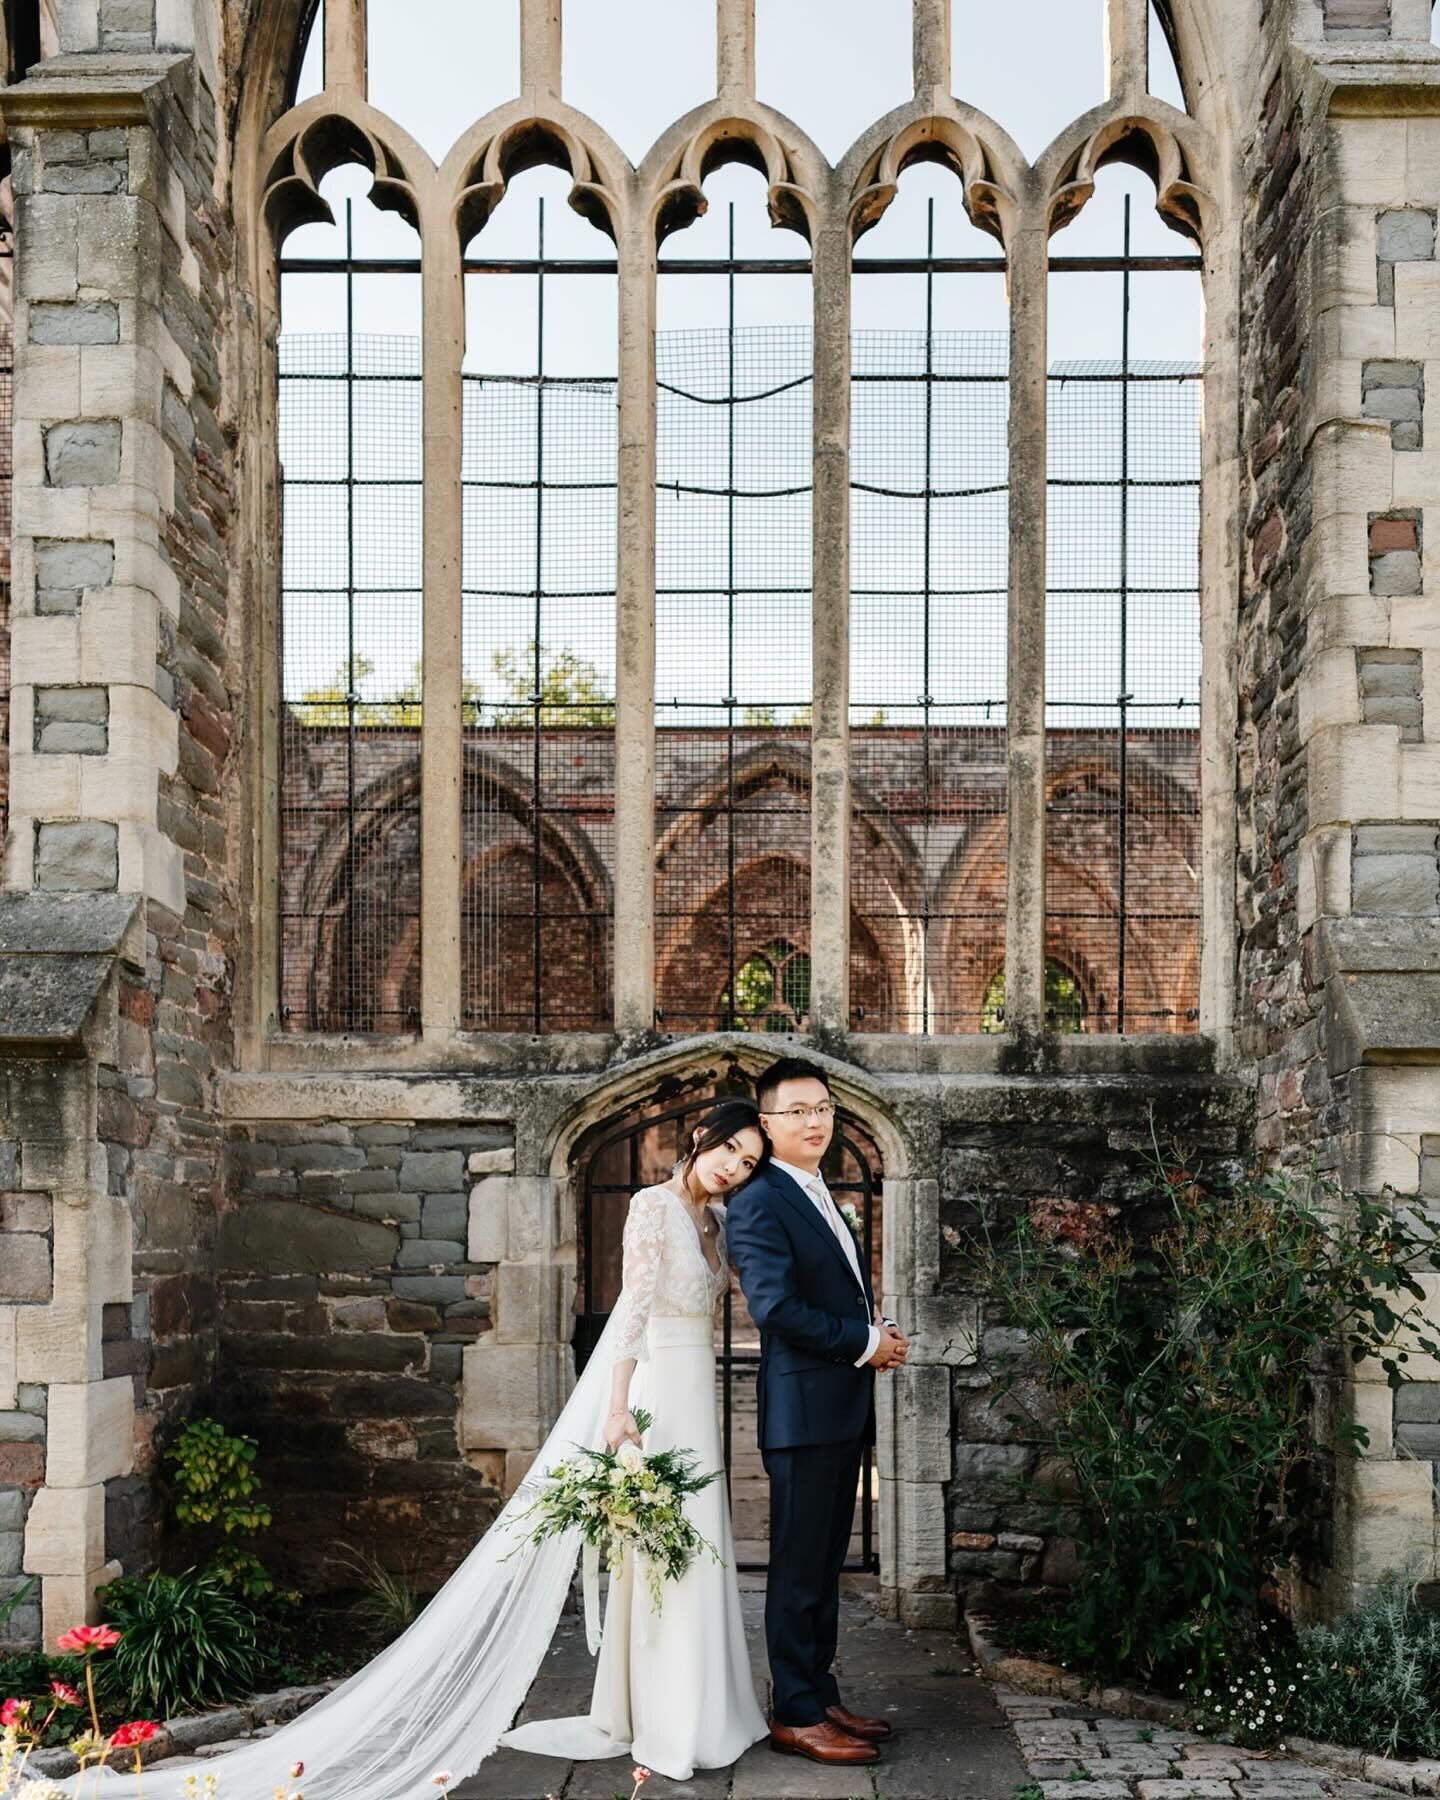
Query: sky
[634, 65]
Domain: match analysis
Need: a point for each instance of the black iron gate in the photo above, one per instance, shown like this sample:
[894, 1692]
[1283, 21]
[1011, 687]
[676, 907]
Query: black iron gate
[642, 1149]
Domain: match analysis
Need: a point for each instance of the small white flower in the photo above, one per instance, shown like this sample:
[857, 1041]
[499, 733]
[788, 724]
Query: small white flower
[852, 1219]
[630, 1457]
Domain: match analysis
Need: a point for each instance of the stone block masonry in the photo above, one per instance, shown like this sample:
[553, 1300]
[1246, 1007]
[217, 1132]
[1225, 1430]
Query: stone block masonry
[1075, 1158]
[72, 720]
[1401, 236]
[66, 567]
[1395, 392]
[1357, 20]
[347, 1302]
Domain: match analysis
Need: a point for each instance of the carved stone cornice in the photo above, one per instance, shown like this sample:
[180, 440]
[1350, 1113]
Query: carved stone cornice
[89, 92]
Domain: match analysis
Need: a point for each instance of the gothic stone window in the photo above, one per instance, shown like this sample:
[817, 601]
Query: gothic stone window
[731, 545]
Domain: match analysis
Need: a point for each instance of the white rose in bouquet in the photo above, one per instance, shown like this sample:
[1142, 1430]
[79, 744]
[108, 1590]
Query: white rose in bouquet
[630, 1457]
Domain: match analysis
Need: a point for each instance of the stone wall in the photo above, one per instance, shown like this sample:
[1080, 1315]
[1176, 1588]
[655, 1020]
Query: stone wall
[1339, 796]
[348, 1295]
[1046, 1150]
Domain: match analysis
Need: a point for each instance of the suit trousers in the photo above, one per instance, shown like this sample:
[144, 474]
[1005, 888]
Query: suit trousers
[812, 1510]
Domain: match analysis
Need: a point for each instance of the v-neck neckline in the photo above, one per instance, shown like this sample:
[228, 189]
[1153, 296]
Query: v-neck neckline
[718, 1269]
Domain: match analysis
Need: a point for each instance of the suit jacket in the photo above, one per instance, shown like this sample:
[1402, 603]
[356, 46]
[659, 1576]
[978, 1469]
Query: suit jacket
[814, 1318]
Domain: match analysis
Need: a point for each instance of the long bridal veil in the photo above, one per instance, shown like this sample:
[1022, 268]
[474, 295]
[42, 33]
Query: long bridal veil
[442, 1693]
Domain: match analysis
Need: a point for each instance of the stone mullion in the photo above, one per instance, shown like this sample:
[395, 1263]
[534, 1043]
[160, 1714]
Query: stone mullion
[735, 47]
[1027, 255]
[1220, 580]
[345, 45]
[931, 25]
[442, 725]
[1127, 47]
[830, 628]
[540, 46]
[634, 953]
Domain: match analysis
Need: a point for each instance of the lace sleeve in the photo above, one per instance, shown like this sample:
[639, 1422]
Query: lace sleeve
[644, 1249]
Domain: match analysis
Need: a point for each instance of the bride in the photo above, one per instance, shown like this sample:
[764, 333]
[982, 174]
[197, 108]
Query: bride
[673, 1690]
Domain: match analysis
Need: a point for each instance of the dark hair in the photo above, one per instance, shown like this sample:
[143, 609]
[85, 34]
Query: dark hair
[789, 1068]
[719, 1125]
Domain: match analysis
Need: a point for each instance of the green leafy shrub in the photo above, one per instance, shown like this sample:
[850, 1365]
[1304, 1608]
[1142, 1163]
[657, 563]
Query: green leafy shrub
[186, 1640]
[217, 1497]
[1179, 1370]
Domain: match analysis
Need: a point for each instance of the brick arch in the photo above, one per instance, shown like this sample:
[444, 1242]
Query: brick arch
[971, 888]
[887, 886]
[365, 889]
[1163, 834]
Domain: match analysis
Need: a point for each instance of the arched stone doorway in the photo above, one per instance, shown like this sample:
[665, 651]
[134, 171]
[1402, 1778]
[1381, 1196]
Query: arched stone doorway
[640, 1144]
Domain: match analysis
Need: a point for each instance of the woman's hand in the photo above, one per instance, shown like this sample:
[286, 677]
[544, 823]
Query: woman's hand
[621, 1428]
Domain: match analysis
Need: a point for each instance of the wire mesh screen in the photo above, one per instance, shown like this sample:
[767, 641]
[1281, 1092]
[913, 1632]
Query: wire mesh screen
[1122, 824]
[350, 449]
[732, 685]
[928, 571]
[538, 659]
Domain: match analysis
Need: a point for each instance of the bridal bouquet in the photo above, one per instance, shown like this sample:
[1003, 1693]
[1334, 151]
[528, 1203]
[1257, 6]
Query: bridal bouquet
[624, 1502]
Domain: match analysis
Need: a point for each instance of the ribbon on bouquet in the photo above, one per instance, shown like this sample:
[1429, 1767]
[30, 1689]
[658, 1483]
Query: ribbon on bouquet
[590, 1589]
[590, 1585]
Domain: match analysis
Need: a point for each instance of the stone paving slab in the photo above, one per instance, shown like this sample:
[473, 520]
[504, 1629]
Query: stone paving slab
[953, 1742]
[1064, 1744]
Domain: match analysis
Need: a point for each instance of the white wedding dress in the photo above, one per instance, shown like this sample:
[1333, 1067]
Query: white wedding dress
[674, 1690]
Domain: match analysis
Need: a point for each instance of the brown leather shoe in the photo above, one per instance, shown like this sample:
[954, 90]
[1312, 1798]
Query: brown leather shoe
[822, 1743]
[871, 1731]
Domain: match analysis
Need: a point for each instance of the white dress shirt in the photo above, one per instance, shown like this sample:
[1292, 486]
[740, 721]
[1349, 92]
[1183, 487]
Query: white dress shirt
[814, 1185]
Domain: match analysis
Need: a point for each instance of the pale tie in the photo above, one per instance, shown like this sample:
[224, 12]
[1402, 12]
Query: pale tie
[832, 1217]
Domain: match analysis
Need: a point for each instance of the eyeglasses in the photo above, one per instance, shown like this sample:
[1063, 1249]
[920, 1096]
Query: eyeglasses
[825, 1110]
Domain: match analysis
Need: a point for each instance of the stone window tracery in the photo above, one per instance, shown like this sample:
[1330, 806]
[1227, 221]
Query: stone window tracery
[580, 807]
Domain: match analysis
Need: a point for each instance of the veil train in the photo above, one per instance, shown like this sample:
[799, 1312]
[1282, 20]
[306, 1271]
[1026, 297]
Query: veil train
[442, 1693]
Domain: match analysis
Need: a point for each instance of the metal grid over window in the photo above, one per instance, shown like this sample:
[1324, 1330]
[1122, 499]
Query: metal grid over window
[732, 685]
[1122, 821]
[350, 447]
[537, 651]
[928, 523]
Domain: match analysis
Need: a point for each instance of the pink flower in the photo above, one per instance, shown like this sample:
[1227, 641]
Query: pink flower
[13, 1712]
[138, 1731]
[63, 1691]
[442, 1778]
[296, 1770]
[639, 1776]
[88, 1637]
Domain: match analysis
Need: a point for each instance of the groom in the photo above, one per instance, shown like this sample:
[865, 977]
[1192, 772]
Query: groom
[821, 1339]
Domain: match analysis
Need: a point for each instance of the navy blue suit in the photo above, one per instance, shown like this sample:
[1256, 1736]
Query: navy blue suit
[816, 1413]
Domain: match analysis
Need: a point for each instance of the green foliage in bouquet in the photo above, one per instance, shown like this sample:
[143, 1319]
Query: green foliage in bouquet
[624, 1502]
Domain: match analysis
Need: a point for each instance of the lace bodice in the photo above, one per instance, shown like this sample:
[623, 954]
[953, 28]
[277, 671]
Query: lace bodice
[665, 1272]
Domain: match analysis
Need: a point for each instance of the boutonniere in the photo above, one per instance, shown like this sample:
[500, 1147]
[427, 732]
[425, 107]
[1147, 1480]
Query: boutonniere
[852, 1219]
